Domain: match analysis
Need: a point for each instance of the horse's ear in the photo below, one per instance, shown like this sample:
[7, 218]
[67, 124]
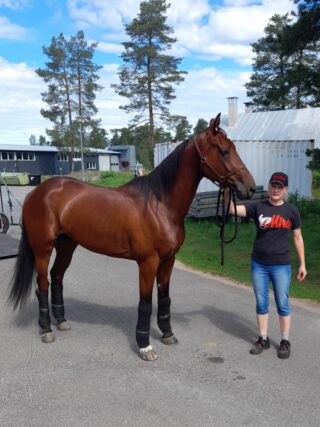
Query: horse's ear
[215, 123]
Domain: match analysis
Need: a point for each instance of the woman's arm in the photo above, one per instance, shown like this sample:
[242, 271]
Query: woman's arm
[299, 245]
[241, 209]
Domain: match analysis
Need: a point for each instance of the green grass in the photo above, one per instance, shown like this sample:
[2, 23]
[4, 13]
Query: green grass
[113, 179]
[201, 250]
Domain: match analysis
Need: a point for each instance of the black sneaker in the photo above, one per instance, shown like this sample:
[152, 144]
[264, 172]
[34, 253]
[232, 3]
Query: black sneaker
[260, 345]
[284, 349]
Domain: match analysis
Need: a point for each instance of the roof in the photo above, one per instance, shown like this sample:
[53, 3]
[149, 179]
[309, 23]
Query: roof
[302, 124]
[21, 147]
[52, 149]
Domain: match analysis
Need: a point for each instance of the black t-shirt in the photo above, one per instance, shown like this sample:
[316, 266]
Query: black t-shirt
[273, 224]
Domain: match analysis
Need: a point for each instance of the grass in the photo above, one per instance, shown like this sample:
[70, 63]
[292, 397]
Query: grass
[201, 250]
[113, 179]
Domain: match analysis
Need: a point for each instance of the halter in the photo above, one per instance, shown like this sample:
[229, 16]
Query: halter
[225, 212]
[220, 178]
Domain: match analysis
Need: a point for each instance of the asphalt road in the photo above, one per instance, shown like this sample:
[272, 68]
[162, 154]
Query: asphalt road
[93, 376]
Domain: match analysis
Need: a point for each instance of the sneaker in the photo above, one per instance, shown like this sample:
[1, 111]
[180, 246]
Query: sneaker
[284, 349]
[260, 345]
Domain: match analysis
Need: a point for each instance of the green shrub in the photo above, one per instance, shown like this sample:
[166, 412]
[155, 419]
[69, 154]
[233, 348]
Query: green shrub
[307, 208]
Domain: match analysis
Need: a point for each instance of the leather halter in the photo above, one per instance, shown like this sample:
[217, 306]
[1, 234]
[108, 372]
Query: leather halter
[220, 178]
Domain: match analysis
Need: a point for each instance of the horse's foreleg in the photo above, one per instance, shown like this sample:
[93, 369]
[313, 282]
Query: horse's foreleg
[64, 248]
[41, 264]
[147, 273]
[164, 301]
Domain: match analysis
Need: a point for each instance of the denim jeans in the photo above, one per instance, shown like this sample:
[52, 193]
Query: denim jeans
[280, 277]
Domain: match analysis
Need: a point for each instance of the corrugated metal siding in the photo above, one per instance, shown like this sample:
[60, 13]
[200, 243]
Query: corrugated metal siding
[262, 158]
[302, 124]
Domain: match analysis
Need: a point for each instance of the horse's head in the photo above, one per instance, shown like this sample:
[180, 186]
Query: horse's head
[220, 161]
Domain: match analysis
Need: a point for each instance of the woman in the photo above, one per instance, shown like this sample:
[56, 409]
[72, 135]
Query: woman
[270, 258]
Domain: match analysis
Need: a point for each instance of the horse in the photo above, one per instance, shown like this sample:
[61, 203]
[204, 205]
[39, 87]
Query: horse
[142, 220]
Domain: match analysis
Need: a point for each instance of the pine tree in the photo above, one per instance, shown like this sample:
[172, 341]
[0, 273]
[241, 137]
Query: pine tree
[268, 87]
[200, 126]
[72, 78]
[148, 74]
[306, 48]
[183, 130]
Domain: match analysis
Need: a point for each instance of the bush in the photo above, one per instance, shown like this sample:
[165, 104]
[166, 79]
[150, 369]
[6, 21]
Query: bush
[107, 174]
[307, 208]
[316, 179]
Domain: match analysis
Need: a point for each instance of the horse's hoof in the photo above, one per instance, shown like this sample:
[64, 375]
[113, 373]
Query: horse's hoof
[172, 340]
[48, 337]
[148, 354]
[64, 326]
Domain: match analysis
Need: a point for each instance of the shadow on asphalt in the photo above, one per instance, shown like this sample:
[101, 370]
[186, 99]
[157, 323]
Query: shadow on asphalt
[125, 318]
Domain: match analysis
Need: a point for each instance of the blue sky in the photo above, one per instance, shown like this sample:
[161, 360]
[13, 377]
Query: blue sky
[213, 39]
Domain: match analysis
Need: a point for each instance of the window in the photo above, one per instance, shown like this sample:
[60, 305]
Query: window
[76, 156]
[4, 155]
[24, 155]
[62, 157]
[91, 165]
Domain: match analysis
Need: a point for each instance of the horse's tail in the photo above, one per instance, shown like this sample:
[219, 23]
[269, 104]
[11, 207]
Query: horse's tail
[21, 281]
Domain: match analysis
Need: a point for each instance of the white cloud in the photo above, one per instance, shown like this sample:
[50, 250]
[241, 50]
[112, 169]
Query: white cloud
[14, 4]
[204, 93]
[110, 47]
[200, 27]
[111, 14]
[20, 103]
[10, 31]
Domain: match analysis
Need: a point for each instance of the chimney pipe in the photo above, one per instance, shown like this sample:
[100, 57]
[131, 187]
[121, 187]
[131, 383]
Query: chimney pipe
[233, 110]
[248, 107]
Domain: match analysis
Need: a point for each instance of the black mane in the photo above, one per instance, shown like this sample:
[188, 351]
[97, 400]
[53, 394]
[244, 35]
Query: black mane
[163, 177]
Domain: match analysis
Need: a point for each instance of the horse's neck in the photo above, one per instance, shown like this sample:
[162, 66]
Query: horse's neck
[186, 184]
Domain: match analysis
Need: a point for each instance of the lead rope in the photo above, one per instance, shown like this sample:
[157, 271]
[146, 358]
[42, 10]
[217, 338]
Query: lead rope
[224, 215]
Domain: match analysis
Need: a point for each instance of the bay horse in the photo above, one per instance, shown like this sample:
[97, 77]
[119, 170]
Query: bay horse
[142, 220]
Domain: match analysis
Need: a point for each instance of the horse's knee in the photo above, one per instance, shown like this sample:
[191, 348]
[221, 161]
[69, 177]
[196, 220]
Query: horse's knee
[143, 324]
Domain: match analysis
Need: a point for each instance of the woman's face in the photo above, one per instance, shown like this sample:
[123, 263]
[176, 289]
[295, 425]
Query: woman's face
[277, 192]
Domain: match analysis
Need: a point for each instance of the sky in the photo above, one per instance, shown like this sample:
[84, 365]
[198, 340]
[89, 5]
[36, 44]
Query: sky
[213, 36]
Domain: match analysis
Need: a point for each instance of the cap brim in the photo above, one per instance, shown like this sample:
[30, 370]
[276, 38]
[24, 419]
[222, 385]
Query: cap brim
[274, 181]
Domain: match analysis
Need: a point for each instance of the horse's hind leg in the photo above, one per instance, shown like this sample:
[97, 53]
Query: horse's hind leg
[164, 301]
[64, 248]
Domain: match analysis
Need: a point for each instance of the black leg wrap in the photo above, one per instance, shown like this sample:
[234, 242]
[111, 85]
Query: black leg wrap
[44, 314]
[163, 316]
[143, 325]
[57, 304]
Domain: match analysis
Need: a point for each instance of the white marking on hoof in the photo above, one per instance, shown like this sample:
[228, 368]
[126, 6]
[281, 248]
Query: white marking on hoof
[148, 354]
[48, 337]
[64, 326]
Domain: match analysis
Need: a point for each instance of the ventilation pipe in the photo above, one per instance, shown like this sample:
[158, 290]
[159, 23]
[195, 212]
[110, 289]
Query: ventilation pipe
[233, 110]
[248, 107]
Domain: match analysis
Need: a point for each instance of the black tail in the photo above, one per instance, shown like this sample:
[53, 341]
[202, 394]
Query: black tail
[21, 281]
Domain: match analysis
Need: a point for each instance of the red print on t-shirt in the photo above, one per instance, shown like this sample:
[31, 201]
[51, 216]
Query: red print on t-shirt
[276, 221]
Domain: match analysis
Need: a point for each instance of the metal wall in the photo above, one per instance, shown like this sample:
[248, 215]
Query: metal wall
[262, 158]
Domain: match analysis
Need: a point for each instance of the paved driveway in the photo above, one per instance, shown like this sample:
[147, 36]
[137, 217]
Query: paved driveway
[92, 375]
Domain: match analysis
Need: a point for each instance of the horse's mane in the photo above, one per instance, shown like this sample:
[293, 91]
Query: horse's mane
[163, 177]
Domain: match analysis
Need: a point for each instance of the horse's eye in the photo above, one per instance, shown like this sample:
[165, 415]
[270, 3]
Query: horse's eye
[224, 152]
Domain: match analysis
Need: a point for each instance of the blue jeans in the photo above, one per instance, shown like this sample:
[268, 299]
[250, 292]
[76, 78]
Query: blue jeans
[280, 277]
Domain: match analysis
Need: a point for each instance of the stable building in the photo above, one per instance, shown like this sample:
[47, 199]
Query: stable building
[49, 160]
